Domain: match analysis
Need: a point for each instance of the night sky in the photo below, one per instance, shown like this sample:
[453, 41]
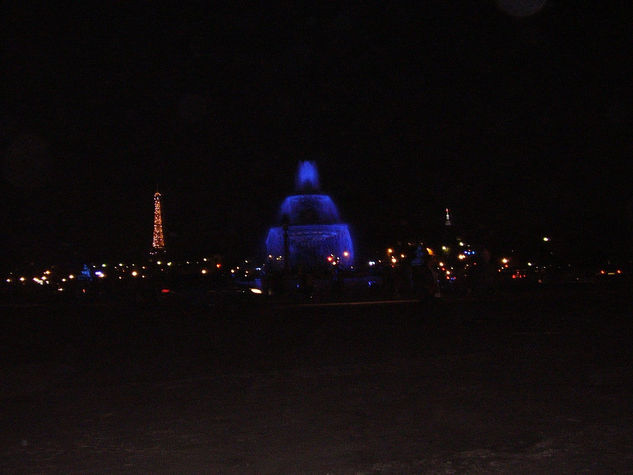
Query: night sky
[521, 125]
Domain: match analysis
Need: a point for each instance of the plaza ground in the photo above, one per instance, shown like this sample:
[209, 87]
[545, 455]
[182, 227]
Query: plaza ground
[516, 382]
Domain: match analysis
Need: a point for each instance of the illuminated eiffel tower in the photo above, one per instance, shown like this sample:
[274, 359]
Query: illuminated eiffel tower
[158, 239]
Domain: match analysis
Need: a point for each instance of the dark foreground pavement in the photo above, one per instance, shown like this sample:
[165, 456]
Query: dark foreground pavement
[515, 383]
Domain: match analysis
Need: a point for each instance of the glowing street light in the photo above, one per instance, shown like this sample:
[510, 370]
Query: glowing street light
[545, 238]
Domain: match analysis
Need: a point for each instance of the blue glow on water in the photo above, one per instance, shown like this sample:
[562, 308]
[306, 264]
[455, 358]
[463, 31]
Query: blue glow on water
[307, 176]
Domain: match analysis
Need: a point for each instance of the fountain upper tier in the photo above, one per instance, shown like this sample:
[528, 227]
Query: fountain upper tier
[309, 209]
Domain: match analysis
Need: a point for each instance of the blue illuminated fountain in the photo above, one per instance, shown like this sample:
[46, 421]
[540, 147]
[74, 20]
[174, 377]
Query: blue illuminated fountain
[315, 234]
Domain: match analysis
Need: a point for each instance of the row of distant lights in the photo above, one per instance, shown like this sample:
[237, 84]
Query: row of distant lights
[43, 280]
[135, 273]
[430, 252]
[40, 280]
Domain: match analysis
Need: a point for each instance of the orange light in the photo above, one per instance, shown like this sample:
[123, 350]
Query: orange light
[218, 265]
[389, 251]
[602, 272]
[330, 258]
[619, 271]
[203, 271]
[345, 253]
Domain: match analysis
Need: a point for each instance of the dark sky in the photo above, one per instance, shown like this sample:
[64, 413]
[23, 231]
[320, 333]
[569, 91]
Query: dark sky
[522, 125]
